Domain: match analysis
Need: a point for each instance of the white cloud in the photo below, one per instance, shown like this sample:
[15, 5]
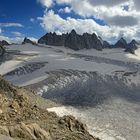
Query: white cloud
[12, 40]
[137, 4]
[11, 25]
[32, 20]
[123, 21]
[52, 22]
[18, 34]
[33, 39]
[108, 3]
[120, 22]
[65, 10]
[46, 3]
[17, 39]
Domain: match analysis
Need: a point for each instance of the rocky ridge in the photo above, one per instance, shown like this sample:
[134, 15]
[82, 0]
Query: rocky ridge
[26, 40]
[3, 43]
[132, 46]
[75, 41]
[23, 118]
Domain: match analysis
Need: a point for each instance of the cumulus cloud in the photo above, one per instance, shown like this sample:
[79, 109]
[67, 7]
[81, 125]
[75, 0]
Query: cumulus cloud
[137, 4]
[108, 3]
[120, 22]
[52, 22]
[12, 40]
[18, 34]
[65, 10]
[17, 39]
[33, 39]
[11, 25]
[123, 21]
[46, 3]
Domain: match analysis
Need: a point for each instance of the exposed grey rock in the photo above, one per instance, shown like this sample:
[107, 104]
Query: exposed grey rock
[106, 44]
[72, 40]
[75, 41]
[26, 40]
[3, 43]
[53, 39]
[121, 43]
[132, 46]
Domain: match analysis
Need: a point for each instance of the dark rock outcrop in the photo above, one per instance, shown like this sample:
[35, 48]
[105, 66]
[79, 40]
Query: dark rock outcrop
[4, 43]
[132, 46]
[121, 43]
[53, 39]
[75, 41]
[2, 51]
[26, 40]
[106, 44]
[72, 40]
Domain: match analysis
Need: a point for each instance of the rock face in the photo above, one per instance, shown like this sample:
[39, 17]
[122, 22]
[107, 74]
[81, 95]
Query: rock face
[3, 43]
[88, 41]
[2, 50]
[73, 40]
[22, 118]
[53, 39]
[121, 43]
[132, 46]
[26, 40]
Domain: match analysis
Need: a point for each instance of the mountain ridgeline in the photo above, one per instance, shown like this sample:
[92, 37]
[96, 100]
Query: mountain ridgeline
[75, 41]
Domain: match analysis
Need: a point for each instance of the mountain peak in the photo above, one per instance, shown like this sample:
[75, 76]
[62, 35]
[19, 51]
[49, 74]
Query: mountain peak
[134, 42]
[27, 40]
[73, 31]
[121, 43]
[3, 43]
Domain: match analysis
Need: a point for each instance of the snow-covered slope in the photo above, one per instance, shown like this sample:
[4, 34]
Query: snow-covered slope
[99, 87]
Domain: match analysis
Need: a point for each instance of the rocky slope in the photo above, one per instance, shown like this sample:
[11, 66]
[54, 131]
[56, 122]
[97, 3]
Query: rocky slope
[23, 117]
[3, 43]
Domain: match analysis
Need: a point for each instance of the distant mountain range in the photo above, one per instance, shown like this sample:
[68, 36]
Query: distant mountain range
[75, 41]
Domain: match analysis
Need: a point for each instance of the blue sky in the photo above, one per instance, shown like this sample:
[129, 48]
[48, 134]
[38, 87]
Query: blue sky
[21, 11]
[110, 19]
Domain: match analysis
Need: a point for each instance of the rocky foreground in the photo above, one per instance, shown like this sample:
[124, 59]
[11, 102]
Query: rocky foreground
[23, 117]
